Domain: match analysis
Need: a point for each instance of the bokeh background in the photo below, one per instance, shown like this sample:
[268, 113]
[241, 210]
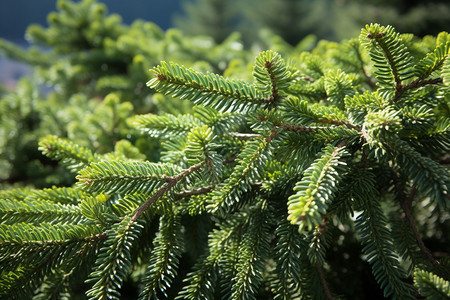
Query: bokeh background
[290, 19]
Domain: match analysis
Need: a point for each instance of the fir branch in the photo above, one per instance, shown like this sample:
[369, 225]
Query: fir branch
[33, 252]
[114, 260]
[253, 251]
[300, 128]
[250, 165]
[431, 286]
[201, 282]
[125, 176]
[316, 189]
[392, 60]
[194, 192]
[165, 125]
[428, 176]
[368, 79]
[287, 255]
[371, 224]
[168, 247]
[301, 112]
[171, 181]
[271, 75]
[63, 195]
[319, 241]
[245, 136]
[46, 234]
[418, 83]
[210, 89]
[406, 205]
[433, 61]
[31, 211]
[70, 154]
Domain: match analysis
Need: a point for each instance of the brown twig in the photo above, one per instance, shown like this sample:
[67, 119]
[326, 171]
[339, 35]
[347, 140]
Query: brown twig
[274, 90]
[245, 136]
[300, 128]
[324, 282]
[194, 192]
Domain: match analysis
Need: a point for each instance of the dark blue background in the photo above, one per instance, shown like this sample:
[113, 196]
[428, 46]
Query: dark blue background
[16, 15]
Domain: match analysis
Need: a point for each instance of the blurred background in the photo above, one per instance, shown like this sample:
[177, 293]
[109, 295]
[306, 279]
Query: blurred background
[290, 19]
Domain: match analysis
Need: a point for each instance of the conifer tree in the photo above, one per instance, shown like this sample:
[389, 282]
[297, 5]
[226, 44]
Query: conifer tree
[267, 185]
[214, 18]
[290, 19]
[82, 57]
[417, 17]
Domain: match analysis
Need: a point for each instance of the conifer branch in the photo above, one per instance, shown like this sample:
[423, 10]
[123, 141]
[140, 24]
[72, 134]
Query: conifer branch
[430, 285]
[398, 82]
[210, 89]
[300, 128]
[274, 90]
[391, 57]
[256, 170]
[406, 205]
[271, 75]
[418, 83]
[171, 181]
[368, 78]
[245, 136]
[194, 192]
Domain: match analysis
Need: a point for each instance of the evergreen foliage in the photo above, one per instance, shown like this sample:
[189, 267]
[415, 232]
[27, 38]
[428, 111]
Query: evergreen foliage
[259, 191]
[417, 17]
[83, 56]
[212, 18]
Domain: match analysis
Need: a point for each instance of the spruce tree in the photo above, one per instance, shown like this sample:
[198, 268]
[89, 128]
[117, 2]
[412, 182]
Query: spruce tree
[265, 189]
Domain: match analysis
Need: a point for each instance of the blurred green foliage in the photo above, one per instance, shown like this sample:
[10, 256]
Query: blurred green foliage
[78, 60]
